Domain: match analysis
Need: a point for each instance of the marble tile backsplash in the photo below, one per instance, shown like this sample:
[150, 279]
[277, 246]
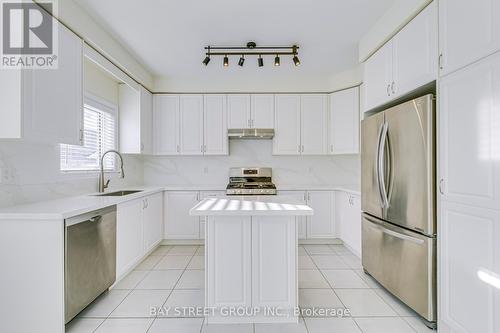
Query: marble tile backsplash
[36, 175]
[287, 170]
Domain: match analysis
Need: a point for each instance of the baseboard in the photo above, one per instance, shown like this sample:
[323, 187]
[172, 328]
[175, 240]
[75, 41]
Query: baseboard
[183, 242]
[321, 241]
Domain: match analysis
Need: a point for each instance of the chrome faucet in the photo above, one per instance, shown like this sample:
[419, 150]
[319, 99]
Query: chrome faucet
[102, 185]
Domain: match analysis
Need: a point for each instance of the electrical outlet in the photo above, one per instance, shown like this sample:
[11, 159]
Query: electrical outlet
[205, 170]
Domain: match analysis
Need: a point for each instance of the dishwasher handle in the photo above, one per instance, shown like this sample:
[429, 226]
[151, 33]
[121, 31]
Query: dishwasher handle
[94, 216]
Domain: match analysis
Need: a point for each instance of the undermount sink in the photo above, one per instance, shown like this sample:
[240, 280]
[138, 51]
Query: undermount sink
[118, 193]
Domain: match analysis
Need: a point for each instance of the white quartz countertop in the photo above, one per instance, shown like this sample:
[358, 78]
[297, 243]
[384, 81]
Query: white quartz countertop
[268, 206]
[80, 204]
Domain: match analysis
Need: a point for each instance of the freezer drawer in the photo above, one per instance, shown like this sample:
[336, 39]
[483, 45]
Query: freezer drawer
[402, 261]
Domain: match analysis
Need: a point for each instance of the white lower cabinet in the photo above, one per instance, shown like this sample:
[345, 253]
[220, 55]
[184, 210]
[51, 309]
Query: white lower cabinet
[469, 269]
[206, 195]
[138, 230]
[348, 219]
[178, 223]
[322, 223]
[296, 197]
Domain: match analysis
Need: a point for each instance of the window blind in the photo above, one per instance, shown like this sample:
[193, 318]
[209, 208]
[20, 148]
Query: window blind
[99, 135]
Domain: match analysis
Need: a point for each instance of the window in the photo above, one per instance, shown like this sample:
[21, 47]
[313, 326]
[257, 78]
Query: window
[99, 135]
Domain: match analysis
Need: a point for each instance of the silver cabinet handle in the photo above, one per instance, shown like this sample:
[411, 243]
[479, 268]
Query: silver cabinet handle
[440, 61]
[441, 186]
[387, 89]
[302, 148]
[81, 136]
[305, 198]
[393, 87]
[308, 196]
[331, 148]
[178, 149]
[299, 148]
[249, 123]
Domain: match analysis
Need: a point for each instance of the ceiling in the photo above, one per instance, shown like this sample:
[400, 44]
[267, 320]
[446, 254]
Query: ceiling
[168, 37]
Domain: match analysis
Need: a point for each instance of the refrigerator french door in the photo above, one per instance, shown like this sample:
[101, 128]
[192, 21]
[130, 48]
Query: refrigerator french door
[398, 202]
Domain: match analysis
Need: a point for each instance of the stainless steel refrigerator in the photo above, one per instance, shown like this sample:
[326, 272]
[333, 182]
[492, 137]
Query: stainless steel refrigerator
[398, 202]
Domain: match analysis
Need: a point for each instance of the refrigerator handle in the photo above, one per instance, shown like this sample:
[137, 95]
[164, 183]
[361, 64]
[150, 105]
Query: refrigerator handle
[377, 164]
[381, 168]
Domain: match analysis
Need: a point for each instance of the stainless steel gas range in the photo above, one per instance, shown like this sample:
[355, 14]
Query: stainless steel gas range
[250, 181]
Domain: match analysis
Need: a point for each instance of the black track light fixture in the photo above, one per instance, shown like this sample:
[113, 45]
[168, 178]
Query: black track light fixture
[241, 61]
[277, 61]
[226, 61]
[260, 61]
[206, 60]
[296, 60]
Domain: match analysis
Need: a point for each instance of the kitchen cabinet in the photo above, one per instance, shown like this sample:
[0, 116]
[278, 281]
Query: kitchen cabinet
[405, 63]
[136, 119]
[152, 218]
[250, 111]
[343, 122]
[322, 223]
[215, 125]
[166, 124]
[314, 124]
[348, 219]
[296, 197]
[469, 127]
[238, 106]
[462, 44]
[468, 303]
[177, 221]
[191, 125]
[129, 235]
[286, 139]
[52, 99]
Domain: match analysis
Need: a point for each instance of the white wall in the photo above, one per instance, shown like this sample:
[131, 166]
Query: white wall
[287, 170]
[388, 25]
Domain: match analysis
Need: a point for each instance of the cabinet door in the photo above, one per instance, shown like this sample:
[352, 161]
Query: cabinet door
[298, 197]
[322, 223]
[153, 220]
[206, 195]
[287, 125]
[469, 127]
[348, 211]
[178, 224]
[463, 43]
[314, 124]
[344, 122]
[191, 124]
[53, 99]
[415, 59]
[238, 110]
[146, 122]
[274, 268]
[378, 77]
[262, 106]
[166, 124]
[215, 125]
[468, 258]
[129, 237]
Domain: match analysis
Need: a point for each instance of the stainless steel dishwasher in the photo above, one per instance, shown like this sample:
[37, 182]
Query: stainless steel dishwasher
[89, 258]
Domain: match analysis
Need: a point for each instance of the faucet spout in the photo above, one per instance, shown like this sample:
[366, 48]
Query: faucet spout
[103, 185]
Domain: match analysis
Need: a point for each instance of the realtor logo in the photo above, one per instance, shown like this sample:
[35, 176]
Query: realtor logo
[28, 36]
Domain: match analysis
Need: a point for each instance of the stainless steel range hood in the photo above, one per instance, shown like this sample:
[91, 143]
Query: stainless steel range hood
[250, 133]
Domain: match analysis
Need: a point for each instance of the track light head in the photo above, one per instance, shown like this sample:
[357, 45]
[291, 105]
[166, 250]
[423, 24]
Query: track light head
[206, 60]
[296, 60]
[260, 61]
[226, 61]
[277, 60]
[241, 61]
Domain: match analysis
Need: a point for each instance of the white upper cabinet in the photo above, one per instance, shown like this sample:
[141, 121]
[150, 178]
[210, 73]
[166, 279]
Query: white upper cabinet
[53, 98]
[314, 124]
[405, 63]
[191, 124]
[469, 130]
[262, 111]
[378, 77]
[287, 125]
[215, 125]
[166, 124]
[415, 49]
[146, 122]
[344, 122]
[238, 106]
[469, 31]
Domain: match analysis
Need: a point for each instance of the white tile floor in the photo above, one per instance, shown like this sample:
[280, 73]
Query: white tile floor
[330, 276]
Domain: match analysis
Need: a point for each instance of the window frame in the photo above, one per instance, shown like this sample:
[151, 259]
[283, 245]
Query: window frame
[105, 106]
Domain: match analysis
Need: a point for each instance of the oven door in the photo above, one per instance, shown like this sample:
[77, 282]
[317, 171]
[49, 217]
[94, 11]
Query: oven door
[404, 262]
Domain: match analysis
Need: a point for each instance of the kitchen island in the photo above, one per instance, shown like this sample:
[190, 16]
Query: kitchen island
[250, 259]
